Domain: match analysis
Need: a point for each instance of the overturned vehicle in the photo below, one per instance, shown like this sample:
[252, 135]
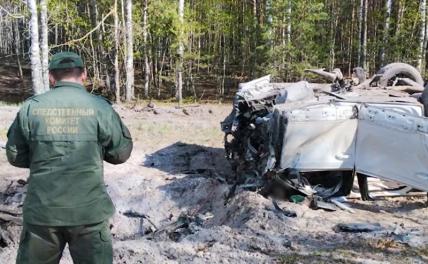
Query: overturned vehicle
[314, 139]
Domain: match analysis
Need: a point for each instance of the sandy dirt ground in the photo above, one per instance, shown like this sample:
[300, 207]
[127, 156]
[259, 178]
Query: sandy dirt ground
[176, 176]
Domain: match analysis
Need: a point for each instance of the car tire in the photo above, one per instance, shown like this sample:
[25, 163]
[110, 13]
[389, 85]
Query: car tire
[393, 69]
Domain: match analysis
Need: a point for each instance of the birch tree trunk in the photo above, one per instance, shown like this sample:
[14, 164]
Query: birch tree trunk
[255, 38]
[17, 45]
[399, 22]
[360, 33]
[96, 54]
[269, 21]
[116, 53]
[45, 43]
[386, 31]
[289, 22]
[36, 64]
[129, 52]
[351, 39]
[422, 38]
[122, 27]
[146, 51]
[425, 40]
[179, 92]
[364, 38]
[333, 26]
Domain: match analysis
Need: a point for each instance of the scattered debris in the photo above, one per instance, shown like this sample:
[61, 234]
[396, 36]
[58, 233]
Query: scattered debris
[21, 182]
[380, 188]
[358, 227]
[230, 194]
[10, 214]
[185, 111]
[183, 226]
[411, 238]
[133, 214]
[339, 202]
[151, 104]
[287, 213]
[297, 198]
[10, 218]
[15, 193]
[318, 203]
[6, 238]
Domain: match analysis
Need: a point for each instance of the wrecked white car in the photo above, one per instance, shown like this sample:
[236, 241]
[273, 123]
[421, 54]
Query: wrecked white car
[315, 138]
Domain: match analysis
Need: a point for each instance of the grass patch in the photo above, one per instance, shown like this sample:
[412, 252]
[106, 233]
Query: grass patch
[158, 132]
[289, 259]
[4, 103]
[189, 101]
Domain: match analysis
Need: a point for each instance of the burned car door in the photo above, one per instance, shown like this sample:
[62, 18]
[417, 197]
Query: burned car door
[320, 137]
[393, 144]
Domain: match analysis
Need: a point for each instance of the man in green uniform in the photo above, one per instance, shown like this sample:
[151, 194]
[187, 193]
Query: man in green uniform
[63, 136]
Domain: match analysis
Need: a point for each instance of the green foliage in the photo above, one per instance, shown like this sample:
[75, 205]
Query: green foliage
[227, 41]
[404, 43]
[163, 19]
[287, 61]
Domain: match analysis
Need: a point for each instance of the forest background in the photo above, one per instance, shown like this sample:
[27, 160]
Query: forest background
[202, 49]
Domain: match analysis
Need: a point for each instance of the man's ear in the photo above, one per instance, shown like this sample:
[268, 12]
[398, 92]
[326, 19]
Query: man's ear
[52, 80]
[84, 75]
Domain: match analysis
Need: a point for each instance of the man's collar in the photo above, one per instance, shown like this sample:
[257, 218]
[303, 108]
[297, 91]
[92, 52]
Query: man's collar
[69, 84]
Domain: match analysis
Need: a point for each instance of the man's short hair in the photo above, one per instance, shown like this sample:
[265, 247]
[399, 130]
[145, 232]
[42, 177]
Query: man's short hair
[60, 74]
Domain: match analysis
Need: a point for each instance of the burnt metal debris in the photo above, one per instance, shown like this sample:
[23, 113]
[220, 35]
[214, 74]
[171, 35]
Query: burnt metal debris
[314, 138]
[358, 227]
[141, 217]
[185, 224]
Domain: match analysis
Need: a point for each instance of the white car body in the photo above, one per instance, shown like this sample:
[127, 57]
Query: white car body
[368, 132]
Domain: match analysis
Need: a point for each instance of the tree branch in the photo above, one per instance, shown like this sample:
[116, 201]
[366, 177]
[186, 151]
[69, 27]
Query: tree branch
[71, 42]
[10, 14]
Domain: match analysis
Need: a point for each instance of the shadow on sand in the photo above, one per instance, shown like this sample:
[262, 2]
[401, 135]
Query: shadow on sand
[190, 159]
[197, 175]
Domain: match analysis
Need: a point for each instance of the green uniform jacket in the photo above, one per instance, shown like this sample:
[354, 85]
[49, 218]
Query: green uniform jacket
[63, 136]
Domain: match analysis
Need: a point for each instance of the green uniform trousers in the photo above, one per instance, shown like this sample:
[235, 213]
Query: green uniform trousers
[88, 244]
